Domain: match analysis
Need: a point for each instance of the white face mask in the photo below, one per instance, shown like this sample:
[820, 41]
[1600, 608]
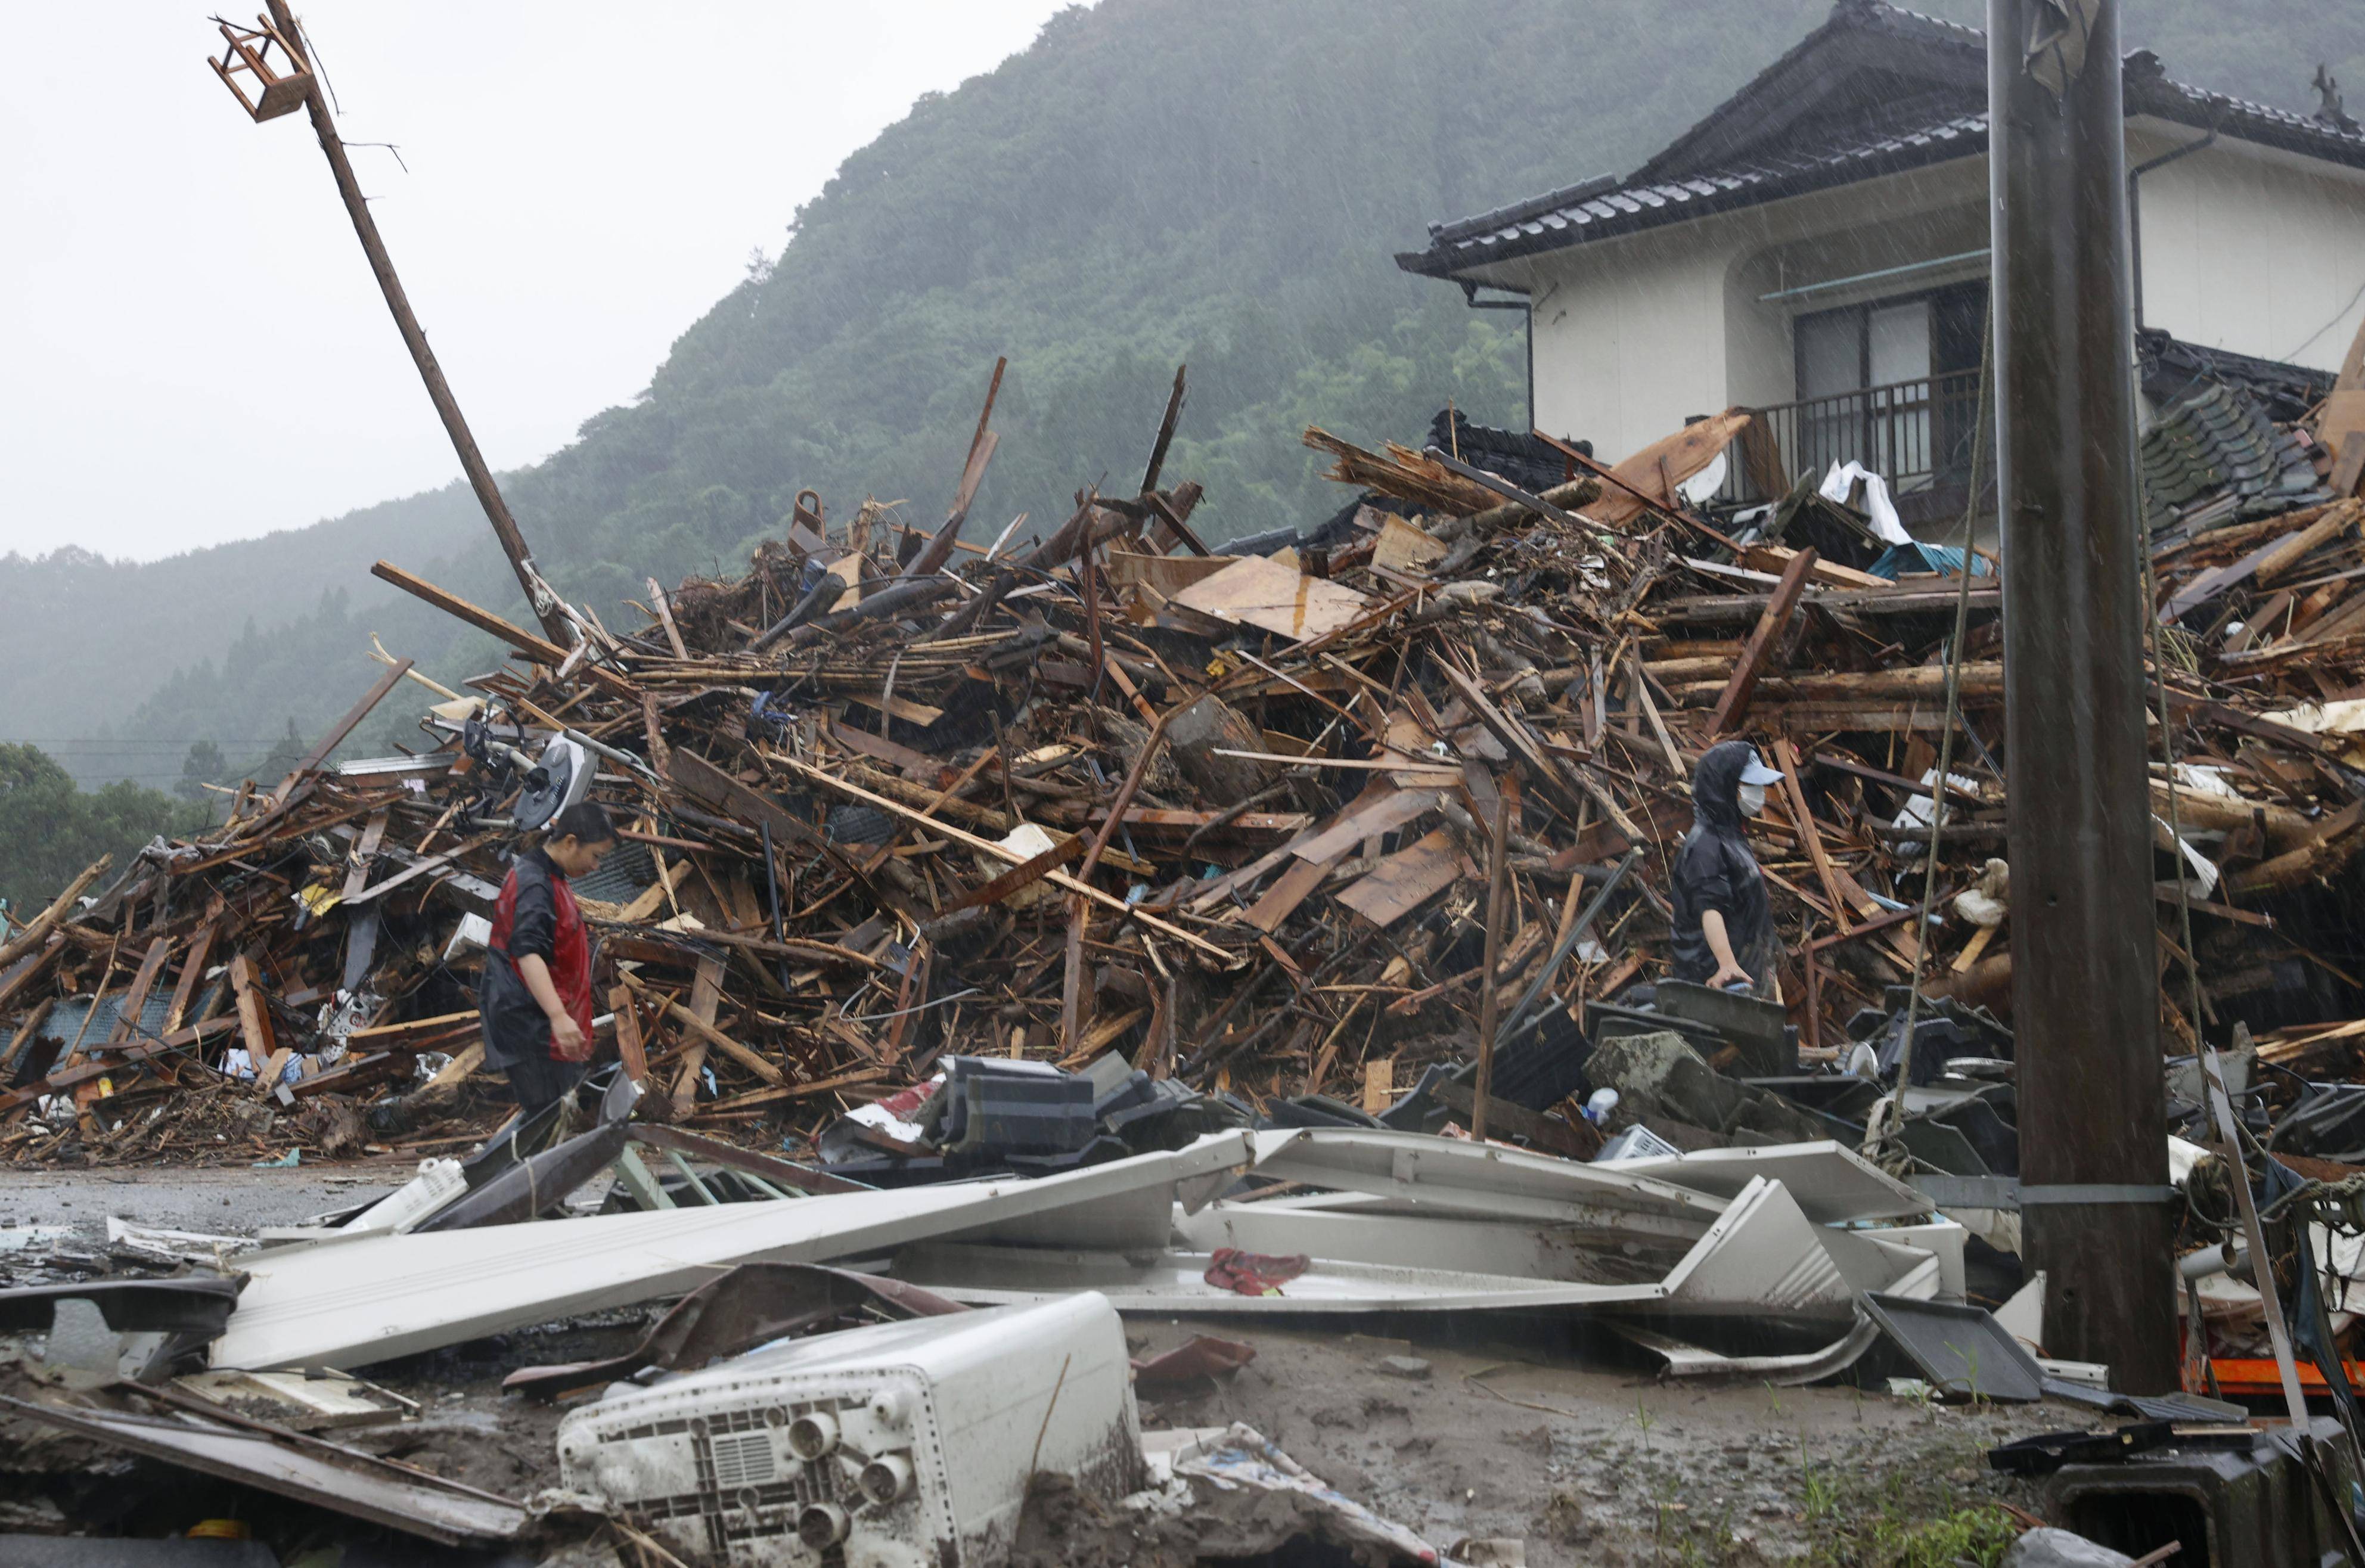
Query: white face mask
[1753, 800]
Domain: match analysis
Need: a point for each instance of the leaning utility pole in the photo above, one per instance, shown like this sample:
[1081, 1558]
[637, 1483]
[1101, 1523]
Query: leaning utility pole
[278, 92]
[2093, 1137]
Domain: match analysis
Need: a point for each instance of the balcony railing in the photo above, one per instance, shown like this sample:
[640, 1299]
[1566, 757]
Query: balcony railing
[1917, 434]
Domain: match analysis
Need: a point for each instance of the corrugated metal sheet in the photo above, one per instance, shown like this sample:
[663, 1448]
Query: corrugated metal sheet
[621, 877]
[64, 1023]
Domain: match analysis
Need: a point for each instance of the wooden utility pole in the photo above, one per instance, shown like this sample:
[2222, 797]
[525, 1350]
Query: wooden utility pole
[472, 462]
[2095, 1211]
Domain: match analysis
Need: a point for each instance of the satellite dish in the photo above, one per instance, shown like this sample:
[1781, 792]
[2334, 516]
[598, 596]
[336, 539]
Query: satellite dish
[562, 778]
[1703, 486]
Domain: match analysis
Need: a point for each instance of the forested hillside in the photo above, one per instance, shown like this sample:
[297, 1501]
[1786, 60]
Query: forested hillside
[86, 640]
[1220, 182]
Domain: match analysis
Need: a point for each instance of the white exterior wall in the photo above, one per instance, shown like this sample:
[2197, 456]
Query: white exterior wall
[1628, 338]
[2244, 248]
[1633, 335]
[2252, 251]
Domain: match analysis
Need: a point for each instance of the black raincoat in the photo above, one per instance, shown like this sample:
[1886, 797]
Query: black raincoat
[1714, 870]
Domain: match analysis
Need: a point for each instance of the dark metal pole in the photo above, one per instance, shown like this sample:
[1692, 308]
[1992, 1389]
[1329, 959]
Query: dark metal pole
[439, 391]
[2093, 1151]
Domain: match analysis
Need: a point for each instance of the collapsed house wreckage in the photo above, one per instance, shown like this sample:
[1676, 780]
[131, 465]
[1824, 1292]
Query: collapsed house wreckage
[1107, 917]
[1101, 922]
[1231, 816]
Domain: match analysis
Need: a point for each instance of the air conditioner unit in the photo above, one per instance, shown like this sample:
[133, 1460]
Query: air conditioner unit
[903, 1445]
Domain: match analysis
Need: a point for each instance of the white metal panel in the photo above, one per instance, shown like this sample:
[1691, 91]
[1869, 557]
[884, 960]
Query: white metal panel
[1761, 1255]
[1175, 1281]
[1761, 1258]
[1400, 1234]
[1450, 1175]
[1832, 1182]
[367, 1300]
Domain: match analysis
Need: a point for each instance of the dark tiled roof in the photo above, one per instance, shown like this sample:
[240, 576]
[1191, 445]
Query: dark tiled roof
[2215, 457]
[2170, 368]
[1617, 210]
[1910, 91]
[1513, 455]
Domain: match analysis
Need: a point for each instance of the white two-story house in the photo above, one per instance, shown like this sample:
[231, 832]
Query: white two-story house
[1817, 249]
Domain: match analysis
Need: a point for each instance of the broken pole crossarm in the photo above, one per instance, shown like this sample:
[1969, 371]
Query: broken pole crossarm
[447, 408]
[2092, 1113]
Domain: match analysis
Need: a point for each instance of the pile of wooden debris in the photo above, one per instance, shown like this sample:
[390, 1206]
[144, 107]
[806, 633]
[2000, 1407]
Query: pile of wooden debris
[893, 797]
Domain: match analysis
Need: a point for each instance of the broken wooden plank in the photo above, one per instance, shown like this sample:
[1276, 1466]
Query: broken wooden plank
[1258, 592]
[540, 650]
[39, 928]
[1401, 882]
[1291, 888]
[337, 733]
[1023, 875]
[254, 1014]
[373, 834]
[1771, 623]
[664, 608]
[135, 996]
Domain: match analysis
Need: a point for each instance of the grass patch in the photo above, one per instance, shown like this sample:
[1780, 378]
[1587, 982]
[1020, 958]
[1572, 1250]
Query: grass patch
[1978, 1535]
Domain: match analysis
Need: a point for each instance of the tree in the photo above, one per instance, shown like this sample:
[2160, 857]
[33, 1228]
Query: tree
[203, 765]
[50, 830]
[284, 754]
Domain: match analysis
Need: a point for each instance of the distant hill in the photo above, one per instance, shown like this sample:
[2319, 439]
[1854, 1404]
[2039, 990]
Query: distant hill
[86, 642]
[1220, 182]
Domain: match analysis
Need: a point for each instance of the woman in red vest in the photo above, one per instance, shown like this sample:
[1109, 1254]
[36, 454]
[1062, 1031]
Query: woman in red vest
[535, 997]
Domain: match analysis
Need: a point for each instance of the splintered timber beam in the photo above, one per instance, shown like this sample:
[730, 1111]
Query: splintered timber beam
[339, 730]
[539, 649]
[1760, 646]
[31, 937]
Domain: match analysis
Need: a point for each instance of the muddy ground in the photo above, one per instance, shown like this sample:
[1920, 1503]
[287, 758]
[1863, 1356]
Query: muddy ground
[1581, 1452]
[228, 1201]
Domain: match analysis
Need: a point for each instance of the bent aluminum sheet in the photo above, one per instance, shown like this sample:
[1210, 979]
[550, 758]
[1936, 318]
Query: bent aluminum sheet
[1759, 1258]
[1443, 1174]
[367, 1300]
[1685, 1360]
[1831, 1182]
[327, 1474]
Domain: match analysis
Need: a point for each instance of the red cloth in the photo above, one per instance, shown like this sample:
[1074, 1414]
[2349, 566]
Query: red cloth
[570, 955]
[1254, 1273]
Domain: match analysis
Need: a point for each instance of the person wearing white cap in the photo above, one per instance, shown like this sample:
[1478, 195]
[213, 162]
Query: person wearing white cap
[1724, 926]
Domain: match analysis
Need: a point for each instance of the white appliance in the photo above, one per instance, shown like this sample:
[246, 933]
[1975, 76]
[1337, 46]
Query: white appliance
[902, 1445]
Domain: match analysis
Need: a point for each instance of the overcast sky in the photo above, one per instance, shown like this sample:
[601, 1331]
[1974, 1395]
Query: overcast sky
[193, 349]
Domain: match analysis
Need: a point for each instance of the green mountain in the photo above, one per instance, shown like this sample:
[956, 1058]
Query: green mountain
[230, 632]
[1215, 182]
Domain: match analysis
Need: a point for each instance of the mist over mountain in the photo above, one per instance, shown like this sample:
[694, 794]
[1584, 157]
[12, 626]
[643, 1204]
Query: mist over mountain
[1152, 182]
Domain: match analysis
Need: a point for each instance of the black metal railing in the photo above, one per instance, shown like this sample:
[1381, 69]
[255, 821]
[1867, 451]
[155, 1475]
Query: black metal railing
[1919, 435]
